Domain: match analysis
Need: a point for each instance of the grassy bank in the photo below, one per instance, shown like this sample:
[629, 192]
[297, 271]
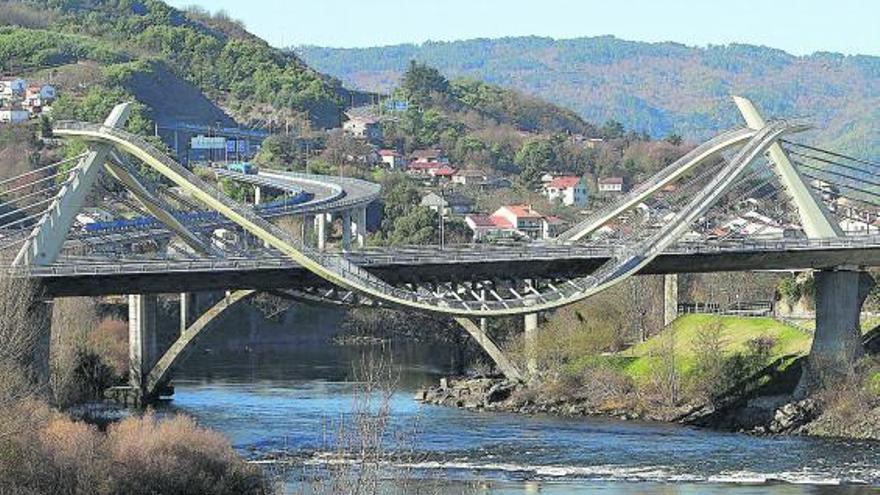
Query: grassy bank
[684, 336]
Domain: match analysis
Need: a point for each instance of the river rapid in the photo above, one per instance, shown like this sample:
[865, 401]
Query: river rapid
[279, 390]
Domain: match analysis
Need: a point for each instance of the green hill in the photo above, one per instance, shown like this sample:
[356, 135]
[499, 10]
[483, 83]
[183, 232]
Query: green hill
[658, 88]
[183, 65]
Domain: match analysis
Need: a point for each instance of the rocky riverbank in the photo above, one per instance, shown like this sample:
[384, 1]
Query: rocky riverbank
[776, 415]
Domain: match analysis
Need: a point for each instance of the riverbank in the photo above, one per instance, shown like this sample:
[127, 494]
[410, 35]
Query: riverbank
[852, 418]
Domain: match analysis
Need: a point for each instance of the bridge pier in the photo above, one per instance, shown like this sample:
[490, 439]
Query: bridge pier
[531, 337]
[321, 230]
[837, 341]
[346, 229]
[670, 298]
[258, 195]
[188, 309]
[143, 345]
[360, 219]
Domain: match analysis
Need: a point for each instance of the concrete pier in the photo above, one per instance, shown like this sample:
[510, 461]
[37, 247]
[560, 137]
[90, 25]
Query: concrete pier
[360, 218]
[346, 229]
[321, 230]
[143, 346]
[670, 298]
[189, 310]
[837, 341]
[531, 336]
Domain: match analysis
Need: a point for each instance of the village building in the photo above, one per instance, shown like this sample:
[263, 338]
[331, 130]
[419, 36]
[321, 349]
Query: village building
[570, 190]
[429, 156]
[365, 128]
[469, 177]
[611, 185]
[392, 159]
[13, 115]
[448, 204]
[11, 87]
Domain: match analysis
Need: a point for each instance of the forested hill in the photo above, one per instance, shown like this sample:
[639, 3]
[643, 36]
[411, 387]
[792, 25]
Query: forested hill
[182, 65]
[659, 88]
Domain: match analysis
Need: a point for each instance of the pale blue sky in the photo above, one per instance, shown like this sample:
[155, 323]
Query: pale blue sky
[797, 26]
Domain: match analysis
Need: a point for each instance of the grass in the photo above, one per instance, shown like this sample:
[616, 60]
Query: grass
[639, 360]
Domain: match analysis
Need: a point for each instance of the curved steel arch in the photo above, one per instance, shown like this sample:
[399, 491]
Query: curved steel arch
[339, 270]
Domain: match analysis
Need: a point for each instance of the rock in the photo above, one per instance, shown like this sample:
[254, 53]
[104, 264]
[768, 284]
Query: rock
[793, 416]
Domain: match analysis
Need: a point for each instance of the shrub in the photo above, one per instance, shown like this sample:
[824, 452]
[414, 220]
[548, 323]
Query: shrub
[175, 456]
[110, 342]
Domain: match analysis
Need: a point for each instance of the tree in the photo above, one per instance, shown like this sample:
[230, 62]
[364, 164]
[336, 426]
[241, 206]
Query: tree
[612, 129]
[674, 139]
[341, 149]
[420, 81]
[533, 159]
[418, 226]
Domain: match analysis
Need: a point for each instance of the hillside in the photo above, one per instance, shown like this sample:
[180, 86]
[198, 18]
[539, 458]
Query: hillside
[658, 88]
[182, 65]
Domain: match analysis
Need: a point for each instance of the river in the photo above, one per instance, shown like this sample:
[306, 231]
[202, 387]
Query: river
[278, 393]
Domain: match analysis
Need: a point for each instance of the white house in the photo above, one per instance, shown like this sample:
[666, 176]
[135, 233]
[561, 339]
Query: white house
[569, 189]
[12, 86]
[10, 115]
[469, 177]
[611, 185]
[364, 128]
[522, 218]
[392, 159]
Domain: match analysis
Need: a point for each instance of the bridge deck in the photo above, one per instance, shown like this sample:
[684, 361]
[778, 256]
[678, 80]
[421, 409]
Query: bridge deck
[93, 276]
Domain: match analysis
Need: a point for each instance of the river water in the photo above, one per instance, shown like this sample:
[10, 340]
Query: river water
[278, 392]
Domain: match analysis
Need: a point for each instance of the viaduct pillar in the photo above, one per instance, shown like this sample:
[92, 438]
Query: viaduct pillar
[346, 229]
[189, 310]
[670, 298]
[321, 230]
[360, 219]
[143, 345]
[837, 342]
[258, 195]
[531, 336]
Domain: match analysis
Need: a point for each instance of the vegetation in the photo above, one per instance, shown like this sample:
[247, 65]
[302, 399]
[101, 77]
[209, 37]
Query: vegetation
[235, 69]
[658, 88]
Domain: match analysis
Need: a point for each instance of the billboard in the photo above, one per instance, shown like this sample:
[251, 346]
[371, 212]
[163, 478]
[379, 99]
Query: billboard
[208, 143]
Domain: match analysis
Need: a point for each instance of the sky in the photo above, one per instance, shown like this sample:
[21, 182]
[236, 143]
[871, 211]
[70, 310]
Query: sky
[797, 26]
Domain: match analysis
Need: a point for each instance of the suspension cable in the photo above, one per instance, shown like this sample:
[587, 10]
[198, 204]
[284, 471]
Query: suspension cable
[47, 167]
[832, 153]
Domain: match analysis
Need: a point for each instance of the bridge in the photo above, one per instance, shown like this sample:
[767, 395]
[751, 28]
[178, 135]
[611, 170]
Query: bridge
[468, 283]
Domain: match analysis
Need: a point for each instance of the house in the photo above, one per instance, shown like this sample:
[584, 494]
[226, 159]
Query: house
[37, 97]
[613, 185]
[521, 218]
[484, 226]
[12, 86]
[448, 204]
[571, 190]
[422, 169]
[392, 159]
[12, 115]
[363, 128]
[469, 177]
[44, 93]
[429, 156]
[443, 172]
